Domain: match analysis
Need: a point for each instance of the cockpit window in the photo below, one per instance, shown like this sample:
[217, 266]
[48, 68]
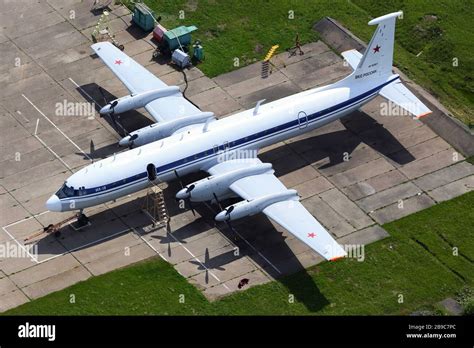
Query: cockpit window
[65, 191]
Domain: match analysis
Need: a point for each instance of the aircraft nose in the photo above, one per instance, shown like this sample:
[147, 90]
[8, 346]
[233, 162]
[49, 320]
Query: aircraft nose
[53, 203]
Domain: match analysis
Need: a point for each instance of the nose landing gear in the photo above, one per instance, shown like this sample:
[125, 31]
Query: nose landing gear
[81, 222]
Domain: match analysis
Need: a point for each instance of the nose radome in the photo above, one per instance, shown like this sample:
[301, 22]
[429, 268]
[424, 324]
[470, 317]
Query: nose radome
[53, 203]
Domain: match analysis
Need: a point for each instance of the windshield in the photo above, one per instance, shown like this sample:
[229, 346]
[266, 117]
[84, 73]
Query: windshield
[65, 191]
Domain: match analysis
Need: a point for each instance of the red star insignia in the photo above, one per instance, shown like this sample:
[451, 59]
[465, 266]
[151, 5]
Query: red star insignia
[311, 235]
[376, 48]
[118, 61]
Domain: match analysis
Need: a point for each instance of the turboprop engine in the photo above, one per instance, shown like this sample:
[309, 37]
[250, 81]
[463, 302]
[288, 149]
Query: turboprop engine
[254, 206]
[136, 101]
[162, 130]
[218, 185]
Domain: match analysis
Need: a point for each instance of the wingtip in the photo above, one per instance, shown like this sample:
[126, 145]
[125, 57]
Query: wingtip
[336, 258]
[424, 114]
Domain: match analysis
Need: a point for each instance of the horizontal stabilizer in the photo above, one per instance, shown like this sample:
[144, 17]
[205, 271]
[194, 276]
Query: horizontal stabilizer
[352, 57]
[398, 94]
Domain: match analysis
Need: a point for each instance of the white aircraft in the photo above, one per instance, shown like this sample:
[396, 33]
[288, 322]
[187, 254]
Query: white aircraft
[186, 139]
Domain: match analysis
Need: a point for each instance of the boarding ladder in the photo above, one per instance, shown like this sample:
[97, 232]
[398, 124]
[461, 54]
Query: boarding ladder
[266, 61]
[155, 207]
[102, 33]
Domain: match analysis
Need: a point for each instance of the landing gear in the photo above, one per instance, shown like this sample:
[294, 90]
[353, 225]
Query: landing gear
[82, 221]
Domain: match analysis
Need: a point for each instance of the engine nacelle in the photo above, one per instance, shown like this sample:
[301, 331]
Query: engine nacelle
[139, 100]
[160, 130]
[204, 189]
[254, 206]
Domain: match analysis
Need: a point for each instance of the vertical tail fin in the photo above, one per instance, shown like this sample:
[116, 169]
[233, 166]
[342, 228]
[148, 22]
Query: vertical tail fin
[376, 63]
[376, 66]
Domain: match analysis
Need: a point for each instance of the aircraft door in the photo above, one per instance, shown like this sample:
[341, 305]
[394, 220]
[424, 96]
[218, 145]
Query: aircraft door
[151, 172]
[302, 119]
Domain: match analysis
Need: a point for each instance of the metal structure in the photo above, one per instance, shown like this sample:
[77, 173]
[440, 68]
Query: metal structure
[171, 40]
[81, 222]
[143, 16]
[155, 207]
[266, 63]
[102, 33]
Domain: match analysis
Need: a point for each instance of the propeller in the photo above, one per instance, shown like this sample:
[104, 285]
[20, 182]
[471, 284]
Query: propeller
[124, 132]
[112, 106]
[131, 140]
[188, 190]
[227, 210]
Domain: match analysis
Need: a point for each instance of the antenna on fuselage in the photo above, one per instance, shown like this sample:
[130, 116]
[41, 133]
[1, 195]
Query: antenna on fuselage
[255, 111]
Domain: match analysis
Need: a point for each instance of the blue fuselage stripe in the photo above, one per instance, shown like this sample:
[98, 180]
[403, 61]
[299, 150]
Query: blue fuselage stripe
[233, 145]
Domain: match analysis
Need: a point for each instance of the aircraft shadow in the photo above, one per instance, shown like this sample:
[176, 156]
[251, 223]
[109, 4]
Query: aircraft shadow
[122, 124]
[377, 137]
[267, 243]
[100, 153]
[130, 120]
[335, 145]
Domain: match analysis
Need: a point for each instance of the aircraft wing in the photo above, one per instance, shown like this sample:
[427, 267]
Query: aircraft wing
[137, 79]
[290, 214]
[395, 92]
[352, 57]
[400, 95]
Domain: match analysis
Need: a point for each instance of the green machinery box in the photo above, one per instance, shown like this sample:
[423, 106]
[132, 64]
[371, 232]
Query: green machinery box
[180, 35]
[143, 16]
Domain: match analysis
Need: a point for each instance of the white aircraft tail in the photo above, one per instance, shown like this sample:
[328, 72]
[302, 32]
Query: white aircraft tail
[377, 61]
[375, 66]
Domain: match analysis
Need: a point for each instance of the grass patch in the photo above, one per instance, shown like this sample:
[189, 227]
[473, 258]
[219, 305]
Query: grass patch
[246, 29]
[417, 262]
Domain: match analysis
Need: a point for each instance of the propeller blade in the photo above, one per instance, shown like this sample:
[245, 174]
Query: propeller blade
[179, 178]
[132, 140]
[217, 201]
[230, 226]
[229, 210]
[190, 188]
[103, 95]
[191, 206]
[112, 117]
[206, 256]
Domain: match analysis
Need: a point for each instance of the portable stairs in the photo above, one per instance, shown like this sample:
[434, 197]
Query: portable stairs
[266, 61]
[102, 33]
[155, 207]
